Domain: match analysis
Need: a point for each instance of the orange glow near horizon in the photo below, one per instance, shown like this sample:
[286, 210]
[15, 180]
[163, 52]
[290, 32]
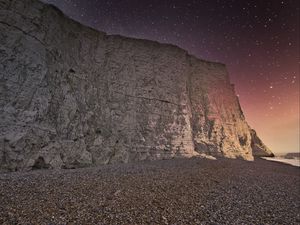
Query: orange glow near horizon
[273, 112]
[257, 40]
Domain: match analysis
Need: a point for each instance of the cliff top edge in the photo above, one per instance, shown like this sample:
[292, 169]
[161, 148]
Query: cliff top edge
[50, 6]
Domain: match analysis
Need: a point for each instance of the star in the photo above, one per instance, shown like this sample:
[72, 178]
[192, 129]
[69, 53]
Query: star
[257, 40]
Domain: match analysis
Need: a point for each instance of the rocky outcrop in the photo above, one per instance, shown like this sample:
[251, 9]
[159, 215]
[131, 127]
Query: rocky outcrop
[72, 96]
[259, 149]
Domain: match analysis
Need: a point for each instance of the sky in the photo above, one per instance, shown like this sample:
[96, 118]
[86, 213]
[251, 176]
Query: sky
[258, 40]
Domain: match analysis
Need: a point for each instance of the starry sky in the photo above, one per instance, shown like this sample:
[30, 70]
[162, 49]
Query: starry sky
[258, 40]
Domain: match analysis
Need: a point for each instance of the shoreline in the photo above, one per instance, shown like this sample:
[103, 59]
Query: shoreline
[292, 162]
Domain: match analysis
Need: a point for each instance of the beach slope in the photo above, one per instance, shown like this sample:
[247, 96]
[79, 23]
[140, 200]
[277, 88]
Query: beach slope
[179, 191]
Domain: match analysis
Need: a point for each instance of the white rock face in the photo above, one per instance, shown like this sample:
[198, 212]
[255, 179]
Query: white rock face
[72, 96]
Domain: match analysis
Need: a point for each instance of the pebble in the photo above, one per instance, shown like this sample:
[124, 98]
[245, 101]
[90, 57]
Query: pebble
[178, 191]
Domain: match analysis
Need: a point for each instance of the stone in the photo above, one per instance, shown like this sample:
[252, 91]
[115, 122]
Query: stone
[259, 149]
[72, 96]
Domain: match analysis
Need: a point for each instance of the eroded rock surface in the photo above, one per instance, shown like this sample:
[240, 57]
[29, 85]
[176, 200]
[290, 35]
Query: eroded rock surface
[259, 149]
[72, 96]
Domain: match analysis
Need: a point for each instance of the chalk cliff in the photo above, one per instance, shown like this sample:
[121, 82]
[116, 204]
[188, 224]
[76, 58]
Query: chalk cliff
[259, 149]
[72, 96]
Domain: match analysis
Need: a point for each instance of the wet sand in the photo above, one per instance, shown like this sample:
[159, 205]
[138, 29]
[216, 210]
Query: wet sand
[179, 191]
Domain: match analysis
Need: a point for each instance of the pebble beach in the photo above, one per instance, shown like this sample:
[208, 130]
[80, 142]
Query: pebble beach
[178, 191]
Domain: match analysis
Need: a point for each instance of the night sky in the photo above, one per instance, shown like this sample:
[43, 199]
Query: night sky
[257, 40]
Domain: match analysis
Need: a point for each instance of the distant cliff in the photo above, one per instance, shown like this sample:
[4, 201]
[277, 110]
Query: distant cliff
[72, 96]
[292, 155]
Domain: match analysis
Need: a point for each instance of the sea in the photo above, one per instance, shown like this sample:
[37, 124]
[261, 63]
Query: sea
[294, 162]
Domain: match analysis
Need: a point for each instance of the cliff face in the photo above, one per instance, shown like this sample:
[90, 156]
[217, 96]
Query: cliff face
[259, 149]
[72, 96]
